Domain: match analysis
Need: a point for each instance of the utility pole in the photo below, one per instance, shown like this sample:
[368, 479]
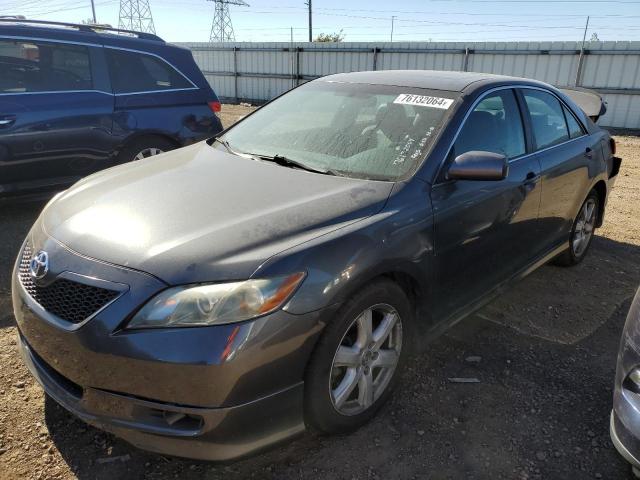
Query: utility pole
[584, 37]
[93, 10]
[308, 3]
[393, 19]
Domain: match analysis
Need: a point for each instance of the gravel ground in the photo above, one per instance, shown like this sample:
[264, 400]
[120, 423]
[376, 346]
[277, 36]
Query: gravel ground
[544, 355]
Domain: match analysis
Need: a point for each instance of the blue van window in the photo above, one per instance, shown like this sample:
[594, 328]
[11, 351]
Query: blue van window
[133, 72]
[29, 66]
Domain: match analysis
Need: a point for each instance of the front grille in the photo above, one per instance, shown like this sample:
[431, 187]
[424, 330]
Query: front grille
[66, 299]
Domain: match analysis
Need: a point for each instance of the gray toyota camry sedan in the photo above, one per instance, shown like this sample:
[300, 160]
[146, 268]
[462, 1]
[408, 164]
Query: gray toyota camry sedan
[217, 299]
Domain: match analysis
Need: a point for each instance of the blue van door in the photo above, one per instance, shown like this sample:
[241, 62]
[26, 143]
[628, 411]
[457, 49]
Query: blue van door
[56, 114]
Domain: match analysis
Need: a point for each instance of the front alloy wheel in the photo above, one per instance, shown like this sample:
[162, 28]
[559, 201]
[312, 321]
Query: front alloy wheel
[366, 359]
[358, 358]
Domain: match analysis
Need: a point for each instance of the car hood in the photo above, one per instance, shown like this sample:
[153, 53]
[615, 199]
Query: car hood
[200, 214]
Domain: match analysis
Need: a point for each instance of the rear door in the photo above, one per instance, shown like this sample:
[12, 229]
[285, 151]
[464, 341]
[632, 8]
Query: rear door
[55, 113]
[151, 94]
[566, 155]
[485, 231]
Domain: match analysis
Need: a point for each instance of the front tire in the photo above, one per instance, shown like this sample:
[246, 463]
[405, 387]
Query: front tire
[582, 232]
[357, 361]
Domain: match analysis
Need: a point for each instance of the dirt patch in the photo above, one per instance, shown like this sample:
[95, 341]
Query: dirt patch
[230, 114]
[546, 353]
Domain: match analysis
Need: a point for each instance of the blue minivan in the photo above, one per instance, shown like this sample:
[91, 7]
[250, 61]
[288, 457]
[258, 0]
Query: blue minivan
[75, 99]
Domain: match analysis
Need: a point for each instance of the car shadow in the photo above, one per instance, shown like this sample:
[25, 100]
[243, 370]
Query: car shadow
[540, 409]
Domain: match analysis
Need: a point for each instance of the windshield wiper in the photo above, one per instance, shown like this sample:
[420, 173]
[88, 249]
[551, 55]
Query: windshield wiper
[288, 162]
[225, 144]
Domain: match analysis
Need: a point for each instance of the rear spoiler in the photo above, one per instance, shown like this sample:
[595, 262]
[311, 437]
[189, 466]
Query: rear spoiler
[590, 101]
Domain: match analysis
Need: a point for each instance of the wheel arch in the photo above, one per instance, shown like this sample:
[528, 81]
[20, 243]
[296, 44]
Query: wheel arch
[137, 136]
[417, 291]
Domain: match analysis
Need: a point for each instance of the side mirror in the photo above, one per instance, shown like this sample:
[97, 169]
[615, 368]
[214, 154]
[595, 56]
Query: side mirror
[477, 165]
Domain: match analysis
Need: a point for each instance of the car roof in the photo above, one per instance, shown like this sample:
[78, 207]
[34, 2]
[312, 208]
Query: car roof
[83, 34]
[431, 79]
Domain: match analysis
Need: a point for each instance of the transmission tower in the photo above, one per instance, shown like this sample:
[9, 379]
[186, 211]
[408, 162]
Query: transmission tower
[136, 15]
[221, 28]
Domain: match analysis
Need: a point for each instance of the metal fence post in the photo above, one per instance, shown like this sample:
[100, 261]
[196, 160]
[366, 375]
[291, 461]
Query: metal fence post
[298, 50]
[235, 73]
[578, 80]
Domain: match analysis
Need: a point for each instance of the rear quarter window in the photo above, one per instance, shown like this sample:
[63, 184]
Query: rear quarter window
[575, 129]
[133, 72]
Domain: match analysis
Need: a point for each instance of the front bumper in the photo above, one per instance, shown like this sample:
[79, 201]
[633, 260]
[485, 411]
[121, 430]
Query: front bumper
[213, 393]
[623, 440]
[195, 432]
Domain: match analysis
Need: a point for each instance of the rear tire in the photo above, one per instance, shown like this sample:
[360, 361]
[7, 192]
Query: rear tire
[144, 147]
[351, 372]
[581, 232]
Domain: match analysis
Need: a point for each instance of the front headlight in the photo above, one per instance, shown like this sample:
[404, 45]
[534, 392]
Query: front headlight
[215, 304]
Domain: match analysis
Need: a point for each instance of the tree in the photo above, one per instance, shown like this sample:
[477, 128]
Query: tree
[330, 37]
[594, 37]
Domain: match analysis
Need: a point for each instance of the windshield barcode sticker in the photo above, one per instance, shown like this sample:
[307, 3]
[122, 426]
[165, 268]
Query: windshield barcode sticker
[423, 101]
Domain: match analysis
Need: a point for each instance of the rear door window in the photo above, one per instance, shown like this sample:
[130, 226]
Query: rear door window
[494, 125]
[575, 130]
[547, 119]
[133, 72]
[28, 66]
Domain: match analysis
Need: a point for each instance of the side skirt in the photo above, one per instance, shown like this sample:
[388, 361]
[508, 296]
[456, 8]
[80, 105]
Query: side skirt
[443, 325]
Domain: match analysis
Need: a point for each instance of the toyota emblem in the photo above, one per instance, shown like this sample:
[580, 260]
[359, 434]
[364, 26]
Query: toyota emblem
[39, 265]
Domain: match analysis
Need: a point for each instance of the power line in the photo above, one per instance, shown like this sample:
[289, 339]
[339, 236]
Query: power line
[40, 14]
[433, 12]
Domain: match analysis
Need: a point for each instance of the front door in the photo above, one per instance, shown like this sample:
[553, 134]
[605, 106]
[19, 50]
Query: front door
[55, 124]
[485, 231]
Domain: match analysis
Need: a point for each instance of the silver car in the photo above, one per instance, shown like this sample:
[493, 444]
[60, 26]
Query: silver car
[625, 417]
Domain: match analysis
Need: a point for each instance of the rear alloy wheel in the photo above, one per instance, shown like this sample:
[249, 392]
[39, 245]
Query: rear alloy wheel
[357, 361]
[582, 232]
[147, 152]
[585, 224]
[144, 147]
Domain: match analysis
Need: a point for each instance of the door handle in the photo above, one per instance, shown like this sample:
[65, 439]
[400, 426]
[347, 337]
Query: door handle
[588, 153]
[530, 181]
[531, 177]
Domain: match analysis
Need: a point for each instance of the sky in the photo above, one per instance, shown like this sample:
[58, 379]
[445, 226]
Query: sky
[371, 20]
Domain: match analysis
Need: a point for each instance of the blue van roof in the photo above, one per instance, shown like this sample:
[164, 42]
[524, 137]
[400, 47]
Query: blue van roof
[71, 32]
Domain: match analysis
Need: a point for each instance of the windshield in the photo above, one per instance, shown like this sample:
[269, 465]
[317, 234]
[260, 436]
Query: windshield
[377, 132]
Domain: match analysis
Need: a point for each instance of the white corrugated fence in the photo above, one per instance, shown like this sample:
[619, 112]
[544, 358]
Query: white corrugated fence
[257, 72]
